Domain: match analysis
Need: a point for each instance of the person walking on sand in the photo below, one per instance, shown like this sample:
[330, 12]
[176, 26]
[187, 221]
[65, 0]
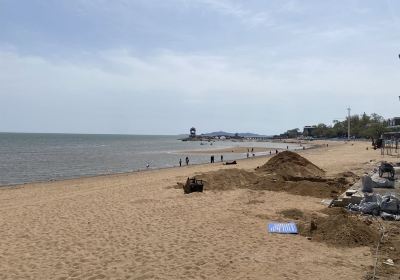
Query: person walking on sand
[187, 160]
[180, 162]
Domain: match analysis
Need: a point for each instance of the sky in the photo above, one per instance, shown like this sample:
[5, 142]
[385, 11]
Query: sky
[163, 66]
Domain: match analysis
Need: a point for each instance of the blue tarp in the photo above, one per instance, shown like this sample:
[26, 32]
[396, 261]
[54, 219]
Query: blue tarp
[282, 228]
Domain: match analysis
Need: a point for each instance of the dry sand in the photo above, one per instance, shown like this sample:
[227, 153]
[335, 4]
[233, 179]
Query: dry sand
[139, 226]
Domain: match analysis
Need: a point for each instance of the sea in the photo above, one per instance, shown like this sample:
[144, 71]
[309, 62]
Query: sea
[37, 157]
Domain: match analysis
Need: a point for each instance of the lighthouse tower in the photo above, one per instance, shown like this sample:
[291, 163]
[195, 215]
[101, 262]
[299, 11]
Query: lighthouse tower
[193, 132]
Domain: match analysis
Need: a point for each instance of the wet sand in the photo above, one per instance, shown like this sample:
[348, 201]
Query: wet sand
[139, 226]
[236, 150]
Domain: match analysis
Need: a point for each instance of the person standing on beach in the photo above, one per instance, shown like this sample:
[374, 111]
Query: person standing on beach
[276, 151]
[222, 158]
[180, 162]
[212, 159]
[187, 160]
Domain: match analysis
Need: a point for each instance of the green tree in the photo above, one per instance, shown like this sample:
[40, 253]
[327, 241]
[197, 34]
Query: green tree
[292, 133]
[364, 126]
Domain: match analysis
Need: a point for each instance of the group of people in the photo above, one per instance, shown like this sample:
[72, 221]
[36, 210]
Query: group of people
[186, 160]
[212, 160]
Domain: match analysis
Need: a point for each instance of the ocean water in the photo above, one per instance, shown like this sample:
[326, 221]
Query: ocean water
[32, 157]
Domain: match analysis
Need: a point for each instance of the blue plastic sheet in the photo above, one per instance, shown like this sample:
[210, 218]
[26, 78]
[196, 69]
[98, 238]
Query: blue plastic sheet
[282, 228]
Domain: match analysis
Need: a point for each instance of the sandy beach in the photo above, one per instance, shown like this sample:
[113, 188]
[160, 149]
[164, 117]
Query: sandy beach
[140, 226]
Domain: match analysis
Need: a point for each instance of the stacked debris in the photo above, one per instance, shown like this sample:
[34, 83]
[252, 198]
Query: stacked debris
[350, 196]
[386, 206]
[363, 198]
[369, 182]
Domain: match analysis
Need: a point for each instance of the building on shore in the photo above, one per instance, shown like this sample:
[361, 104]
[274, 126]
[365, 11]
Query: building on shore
[394, 122]
[393, 129]
[308, 130]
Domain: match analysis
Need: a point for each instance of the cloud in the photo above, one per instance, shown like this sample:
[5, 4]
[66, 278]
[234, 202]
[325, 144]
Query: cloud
[189, 76]
[245, 15]
[285, 83]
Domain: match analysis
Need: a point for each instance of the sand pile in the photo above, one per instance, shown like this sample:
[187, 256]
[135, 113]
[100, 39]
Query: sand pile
[325, 188]
[292, 173]
[291, 165]
[287, 171]
[337, 227]
[227, 179]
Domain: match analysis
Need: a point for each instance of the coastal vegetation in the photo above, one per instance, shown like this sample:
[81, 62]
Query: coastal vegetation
[362, 126]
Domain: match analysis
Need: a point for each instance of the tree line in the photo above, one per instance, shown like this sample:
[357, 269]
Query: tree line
[362, 126]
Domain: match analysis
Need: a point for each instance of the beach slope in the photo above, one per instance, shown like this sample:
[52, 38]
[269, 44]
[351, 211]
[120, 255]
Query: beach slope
[140, 226]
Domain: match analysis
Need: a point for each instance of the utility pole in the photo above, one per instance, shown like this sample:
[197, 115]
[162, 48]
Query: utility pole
[348, 124]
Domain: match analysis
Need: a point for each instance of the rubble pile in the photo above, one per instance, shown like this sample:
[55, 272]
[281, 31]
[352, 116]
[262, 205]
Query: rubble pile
[386, 206]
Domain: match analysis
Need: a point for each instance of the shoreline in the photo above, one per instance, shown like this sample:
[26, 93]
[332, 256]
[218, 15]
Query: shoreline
[194, 152]
[217, 163]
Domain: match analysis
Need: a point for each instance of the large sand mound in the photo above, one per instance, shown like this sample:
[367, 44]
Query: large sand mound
[291, 165]
[336, 227]
[342, 229]
[228, 179]
[288, 172]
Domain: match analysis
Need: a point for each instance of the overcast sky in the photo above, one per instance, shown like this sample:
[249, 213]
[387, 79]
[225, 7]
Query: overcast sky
[162, 66]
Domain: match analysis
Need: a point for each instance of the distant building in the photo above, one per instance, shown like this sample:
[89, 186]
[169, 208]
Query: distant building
[308, 130]
[394, 122]
[393, 132]
[394, 135]
[193, 132]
